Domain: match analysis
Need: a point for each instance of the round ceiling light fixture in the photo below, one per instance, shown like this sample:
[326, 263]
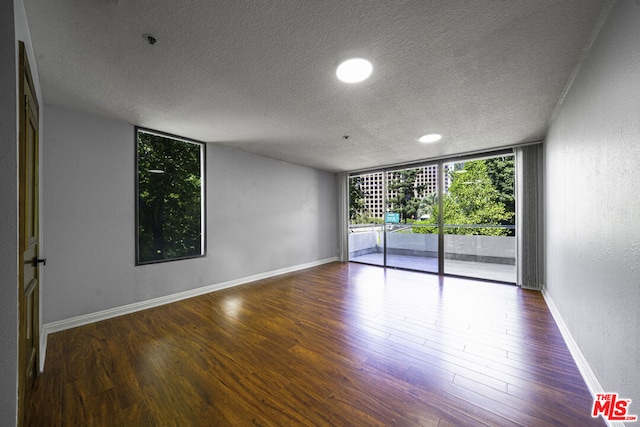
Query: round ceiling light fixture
[430, 137]
[354, 70]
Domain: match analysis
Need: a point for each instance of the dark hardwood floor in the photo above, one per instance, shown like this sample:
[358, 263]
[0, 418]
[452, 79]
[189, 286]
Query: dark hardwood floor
[339, 344]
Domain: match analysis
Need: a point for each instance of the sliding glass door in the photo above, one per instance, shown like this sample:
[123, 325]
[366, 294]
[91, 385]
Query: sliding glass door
[366, 218]
[411, 226]
[479, 219]
[451, 217]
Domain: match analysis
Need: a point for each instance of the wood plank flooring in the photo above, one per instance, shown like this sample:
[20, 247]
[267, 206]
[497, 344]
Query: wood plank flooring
[340, 344]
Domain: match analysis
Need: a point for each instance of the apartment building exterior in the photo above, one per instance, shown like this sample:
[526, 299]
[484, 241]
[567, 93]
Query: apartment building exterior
[373, 190]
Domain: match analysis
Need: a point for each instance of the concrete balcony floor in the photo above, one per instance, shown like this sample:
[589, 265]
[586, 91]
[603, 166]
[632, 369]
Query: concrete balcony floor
[479, 270]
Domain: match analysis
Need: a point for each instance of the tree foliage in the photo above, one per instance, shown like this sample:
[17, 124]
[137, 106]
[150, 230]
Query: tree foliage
[501, 171]
[169, 198]
[428, 203]
[472, 199]
[481, 192]
[408, 194]
[356, 199]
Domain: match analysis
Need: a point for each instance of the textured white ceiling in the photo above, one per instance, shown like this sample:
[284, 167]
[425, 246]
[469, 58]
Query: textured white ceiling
[259, 76]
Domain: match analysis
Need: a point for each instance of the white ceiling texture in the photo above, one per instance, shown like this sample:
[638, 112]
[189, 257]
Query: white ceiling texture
[259, 75]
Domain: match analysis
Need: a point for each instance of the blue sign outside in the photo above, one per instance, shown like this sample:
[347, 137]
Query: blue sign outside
[392, 217]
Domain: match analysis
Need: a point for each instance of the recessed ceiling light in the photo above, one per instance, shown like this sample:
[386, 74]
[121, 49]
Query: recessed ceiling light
[431, 137]
[354, 70]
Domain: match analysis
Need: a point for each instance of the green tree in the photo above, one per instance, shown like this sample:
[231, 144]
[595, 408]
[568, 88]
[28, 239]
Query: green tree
[356, 199]
[169, 198]
[501, 171]
[428, 214]
[471, 199]
[427, 206]
[408, 194]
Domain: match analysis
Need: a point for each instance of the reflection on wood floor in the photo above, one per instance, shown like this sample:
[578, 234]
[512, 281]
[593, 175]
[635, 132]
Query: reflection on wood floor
[340, 344]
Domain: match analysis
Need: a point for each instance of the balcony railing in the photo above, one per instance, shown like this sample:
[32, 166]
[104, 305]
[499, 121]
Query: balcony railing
[475, 255]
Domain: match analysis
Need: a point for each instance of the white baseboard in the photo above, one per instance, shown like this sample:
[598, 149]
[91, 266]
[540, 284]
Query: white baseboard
[581, 362]
[61, 325]
[43, 348]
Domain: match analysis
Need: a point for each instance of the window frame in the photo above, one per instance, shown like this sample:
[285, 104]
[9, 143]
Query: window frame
[203, 202]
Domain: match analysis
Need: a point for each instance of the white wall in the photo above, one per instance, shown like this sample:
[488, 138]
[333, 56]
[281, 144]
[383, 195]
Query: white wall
[592, 184]
[263, 215]
[8, 219]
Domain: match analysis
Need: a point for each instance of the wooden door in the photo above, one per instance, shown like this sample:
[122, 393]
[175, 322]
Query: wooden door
[29, 277]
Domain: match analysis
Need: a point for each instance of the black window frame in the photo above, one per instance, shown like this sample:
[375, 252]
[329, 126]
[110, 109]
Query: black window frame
[203, 204]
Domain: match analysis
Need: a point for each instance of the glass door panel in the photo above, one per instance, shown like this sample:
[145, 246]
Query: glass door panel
[366, 218]
[411, 222]
[479, 219]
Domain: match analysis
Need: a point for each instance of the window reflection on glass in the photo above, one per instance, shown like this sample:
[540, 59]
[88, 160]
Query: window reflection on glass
[170, 198]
